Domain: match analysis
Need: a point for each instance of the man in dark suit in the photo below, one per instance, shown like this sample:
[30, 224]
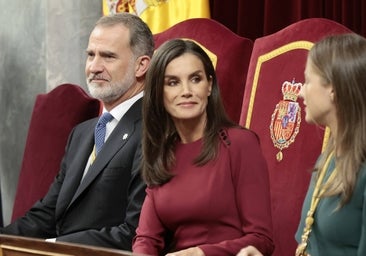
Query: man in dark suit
[96, 197]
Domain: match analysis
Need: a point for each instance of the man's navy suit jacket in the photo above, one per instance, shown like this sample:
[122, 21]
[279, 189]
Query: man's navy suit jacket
[104, 208]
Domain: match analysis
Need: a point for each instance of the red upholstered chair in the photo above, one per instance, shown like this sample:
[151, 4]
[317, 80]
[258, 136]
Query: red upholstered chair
[54, 115]
[271, 109]
[230, 54]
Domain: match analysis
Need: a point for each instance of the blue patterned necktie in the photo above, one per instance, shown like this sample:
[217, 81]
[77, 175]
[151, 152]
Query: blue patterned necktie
[100, 129]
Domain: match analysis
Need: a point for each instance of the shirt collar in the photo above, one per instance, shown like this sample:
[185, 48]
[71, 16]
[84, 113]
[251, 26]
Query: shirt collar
[120, 110]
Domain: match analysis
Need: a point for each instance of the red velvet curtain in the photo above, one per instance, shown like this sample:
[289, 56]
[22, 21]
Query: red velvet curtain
[253, 19]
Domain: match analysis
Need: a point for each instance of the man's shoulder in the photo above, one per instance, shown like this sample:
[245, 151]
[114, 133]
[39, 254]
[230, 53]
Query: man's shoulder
[135, 110]
[87, 123]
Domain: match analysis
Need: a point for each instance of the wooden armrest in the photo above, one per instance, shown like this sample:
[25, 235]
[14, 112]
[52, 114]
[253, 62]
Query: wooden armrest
[24, 246]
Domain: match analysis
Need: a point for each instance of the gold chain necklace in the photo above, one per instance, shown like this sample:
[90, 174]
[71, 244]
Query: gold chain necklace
[301, 248]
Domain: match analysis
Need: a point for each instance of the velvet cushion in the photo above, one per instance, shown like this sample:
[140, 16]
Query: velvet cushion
[290, 145]
[54, 115]
[232, 53]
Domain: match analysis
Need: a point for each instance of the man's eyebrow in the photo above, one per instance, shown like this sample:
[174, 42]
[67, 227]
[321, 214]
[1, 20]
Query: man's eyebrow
[108, 53]
[103, 53]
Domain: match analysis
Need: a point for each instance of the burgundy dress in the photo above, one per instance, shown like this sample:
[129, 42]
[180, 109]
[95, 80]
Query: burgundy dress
[221, 207]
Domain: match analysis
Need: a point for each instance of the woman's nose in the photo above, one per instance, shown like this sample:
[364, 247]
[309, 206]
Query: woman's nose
[186, 89]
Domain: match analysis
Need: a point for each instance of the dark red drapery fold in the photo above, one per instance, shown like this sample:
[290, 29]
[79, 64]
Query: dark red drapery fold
[253, 19]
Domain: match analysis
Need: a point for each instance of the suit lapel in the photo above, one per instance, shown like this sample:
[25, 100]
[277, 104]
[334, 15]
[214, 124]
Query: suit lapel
[118, 138]
[76, 169]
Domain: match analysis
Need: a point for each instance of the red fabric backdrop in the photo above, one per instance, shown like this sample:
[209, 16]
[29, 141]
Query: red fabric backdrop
[253, 19]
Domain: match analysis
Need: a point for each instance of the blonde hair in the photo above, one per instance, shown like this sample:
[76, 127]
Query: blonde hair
[341, 61]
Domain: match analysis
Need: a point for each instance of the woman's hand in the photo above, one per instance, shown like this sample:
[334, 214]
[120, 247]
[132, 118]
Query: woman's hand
[193, 251]
[249, 251]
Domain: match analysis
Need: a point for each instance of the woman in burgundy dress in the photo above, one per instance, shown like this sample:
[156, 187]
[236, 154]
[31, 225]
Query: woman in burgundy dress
[208, 188]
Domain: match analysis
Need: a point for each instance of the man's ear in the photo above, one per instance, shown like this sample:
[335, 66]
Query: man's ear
[142, 64]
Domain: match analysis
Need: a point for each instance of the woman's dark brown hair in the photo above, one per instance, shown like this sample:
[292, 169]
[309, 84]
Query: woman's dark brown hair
[159, 133]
